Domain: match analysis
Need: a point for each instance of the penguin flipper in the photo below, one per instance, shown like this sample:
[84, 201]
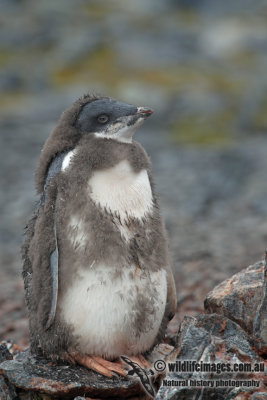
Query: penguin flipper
[54, 279]
[171, 295]
[55, 167]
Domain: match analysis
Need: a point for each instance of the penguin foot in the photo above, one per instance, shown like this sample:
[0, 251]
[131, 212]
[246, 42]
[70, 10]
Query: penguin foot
[140, 360]
[100, 365]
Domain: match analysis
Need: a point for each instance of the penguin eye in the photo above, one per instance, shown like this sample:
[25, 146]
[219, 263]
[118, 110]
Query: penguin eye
[103, 118]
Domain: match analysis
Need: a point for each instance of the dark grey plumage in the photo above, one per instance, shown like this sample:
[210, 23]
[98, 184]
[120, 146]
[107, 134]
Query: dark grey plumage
[52, 250]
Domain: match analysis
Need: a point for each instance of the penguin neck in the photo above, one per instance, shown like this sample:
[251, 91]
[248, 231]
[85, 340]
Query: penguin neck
[102, 153]
[120, 139]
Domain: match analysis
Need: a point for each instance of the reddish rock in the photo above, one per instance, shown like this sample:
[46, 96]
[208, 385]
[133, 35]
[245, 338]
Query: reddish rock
[233, 330]
[260, 321]
[23, 374]
[238, 297]
[26, 373]
[214, 339]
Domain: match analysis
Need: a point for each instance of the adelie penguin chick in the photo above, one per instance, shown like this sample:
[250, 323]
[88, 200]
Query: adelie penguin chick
[96, 270]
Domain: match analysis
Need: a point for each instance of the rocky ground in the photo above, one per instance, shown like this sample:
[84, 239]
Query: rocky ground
[227, 344]
[201, 67]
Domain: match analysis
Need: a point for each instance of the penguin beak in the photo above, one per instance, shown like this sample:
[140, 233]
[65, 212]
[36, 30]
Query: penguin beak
[144, 112]
[130, 123]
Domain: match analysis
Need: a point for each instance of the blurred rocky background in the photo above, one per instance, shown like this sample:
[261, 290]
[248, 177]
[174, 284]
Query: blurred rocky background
[201, 65]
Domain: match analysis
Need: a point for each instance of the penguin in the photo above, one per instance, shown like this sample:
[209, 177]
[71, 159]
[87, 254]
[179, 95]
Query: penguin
[97, 275]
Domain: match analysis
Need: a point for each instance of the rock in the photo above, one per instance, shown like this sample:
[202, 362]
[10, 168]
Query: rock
[5, 353]
[243, 299]
[7, 391]
[258, 396]
[41, 376]
[227, 344]
[260, 321]
[232, 332]
[213, 339]
[239, 296]
[24, 374]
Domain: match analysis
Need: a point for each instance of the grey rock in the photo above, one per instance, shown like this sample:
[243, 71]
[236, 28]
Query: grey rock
[233, 331]
[260, 320]
[39, 375]
[5, 353]
[35, 377]
[239, 296]
[243, 299]
[7, 391]
[79, 398]
[211, 339]
[259, 396]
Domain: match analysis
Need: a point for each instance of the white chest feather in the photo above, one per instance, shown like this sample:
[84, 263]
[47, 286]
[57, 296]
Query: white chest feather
[66, 160]
[114, 314]
[114, 310]
[122, 191]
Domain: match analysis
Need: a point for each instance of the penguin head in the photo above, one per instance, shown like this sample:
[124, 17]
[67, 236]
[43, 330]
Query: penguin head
[111, 119]
[89, 115]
